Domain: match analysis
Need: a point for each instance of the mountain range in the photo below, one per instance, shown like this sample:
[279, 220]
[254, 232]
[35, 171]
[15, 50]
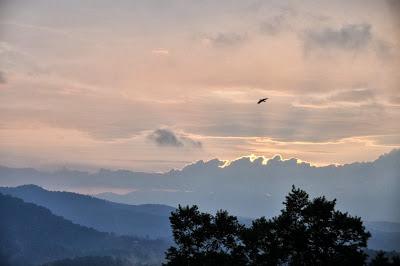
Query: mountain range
[249, 186]
[148, 220]
[32, 235]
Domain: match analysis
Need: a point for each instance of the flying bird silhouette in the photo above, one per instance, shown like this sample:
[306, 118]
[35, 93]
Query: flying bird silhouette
[263, 100]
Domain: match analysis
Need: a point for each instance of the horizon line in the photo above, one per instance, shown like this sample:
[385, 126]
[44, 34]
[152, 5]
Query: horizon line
[224, 164]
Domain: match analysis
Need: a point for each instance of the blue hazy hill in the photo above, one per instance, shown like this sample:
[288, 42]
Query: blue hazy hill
[248, 187]
[148, 220]
[151, 219]
[32, 235]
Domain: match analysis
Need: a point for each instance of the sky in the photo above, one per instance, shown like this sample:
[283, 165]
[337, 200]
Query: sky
[154, 85]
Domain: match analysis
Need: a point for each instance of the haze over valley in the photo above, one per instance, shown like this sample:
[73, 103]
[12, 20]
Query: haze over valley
[249, 186]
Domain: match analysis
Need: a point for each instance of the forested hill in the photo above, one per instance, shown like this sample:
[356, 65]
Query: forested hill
[31, 235]
[147, 220]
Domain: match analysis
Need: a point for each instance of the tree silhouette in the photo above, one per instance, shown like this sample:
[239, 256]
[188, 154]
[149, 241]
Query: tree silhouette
[307, 232]
[203, 239]
[262, 243]
[382, 260]
[314, 233]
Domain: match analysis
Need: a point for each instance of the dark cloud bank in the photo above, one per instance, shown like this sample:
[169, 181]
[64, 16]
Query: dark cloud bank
[367, 189]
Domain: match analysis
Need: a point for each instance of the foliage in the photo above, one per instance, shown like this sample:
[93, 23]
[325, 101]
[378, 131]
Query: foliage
[204, 238]
[135, 220]
[307, 232]
[89, 261]
[382, 260]
[32, 235]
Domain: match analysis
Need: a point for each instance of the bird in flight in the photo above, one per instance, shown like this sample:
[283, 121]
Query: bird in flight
[263, 100]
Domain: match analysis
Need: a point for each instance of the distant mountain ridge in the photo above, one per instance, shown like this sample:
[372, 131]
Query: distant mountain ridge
[32, 235]
[255, 188]
[249, 187]
[96, 213]
[149, 220]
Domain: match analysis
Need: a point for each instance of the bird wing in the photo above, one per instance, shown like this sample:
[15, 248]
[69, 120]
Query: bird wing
[262, 100]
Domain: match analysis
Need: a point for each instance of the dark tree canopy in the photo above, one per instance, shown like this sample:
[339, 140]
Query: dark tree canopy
[203, 239]
[90, 261]
[382, 260]
[307, 232]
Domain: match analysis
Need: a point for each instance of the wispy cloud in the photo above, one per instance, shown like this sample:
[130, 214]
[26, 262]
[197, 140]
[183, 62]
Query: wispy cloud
[357, 96]
[103, 80]
[354, 96]
[226, 39]
[160, 52]
[347, 37]
[3, 79]
[274, 25]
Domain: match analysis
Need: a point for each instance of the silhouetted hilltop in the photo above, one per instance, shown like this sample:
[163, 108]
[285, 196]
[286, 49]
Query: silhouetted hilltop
[108, 216]
[142, 220]
[31, 235]
[247, 187]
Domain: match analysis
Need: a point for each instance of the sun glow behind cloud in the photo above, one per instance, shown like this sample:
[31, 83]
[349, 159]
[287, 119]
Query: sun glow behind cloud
[196, 69]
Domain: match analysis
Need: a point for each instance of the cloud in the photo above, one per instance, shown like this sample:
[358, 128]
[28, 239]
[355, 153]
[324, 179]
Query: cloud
[362, 187]
[343, 97]
[160, 52]
[395, 100]
[191, 142]
[274, 25]
[394, 8]
[348, 37]
[2, 78]
[168, 138]
[165, 137]
[394, 4]
[353, 96]
[225, 39]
